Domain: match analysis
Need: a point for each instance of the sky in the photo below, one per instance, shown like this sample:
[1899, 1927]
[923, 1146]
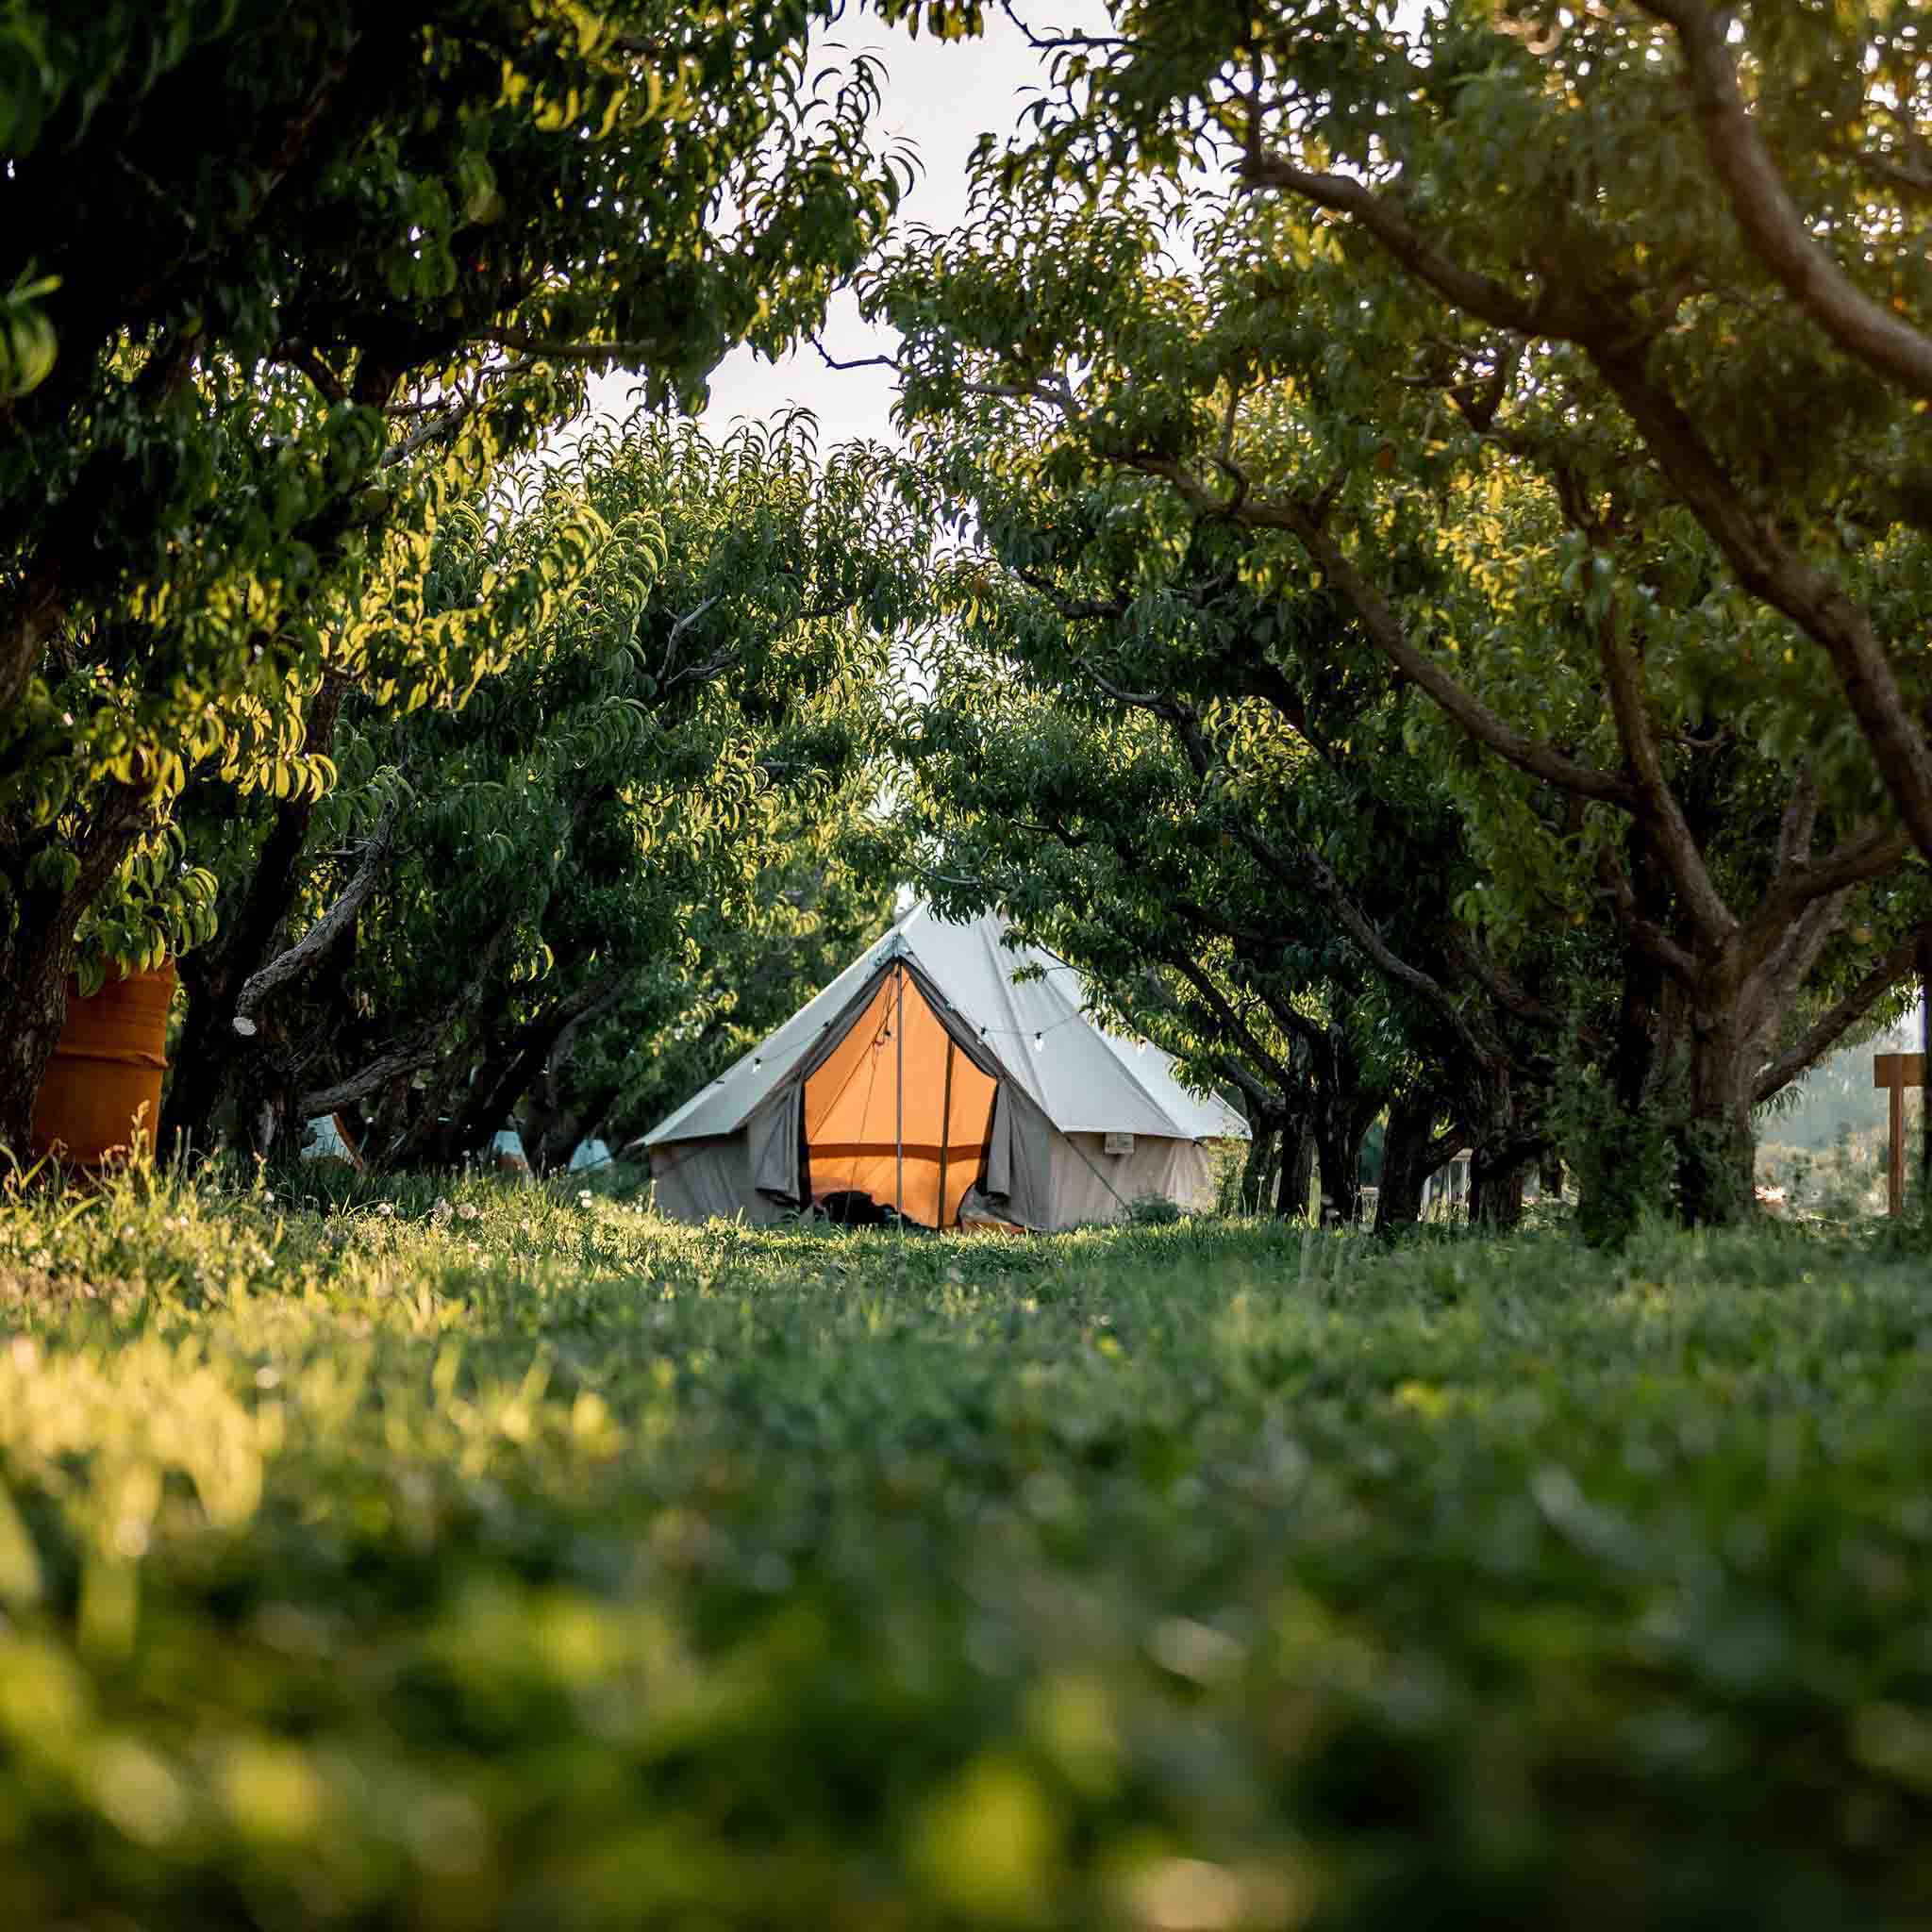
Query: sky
[942, 96]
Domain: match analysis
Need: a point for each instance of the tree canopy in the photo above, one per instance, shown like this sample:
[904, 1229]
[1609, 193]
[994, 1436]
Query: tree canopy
[284, 284]
[1155, 320]
[681, 750]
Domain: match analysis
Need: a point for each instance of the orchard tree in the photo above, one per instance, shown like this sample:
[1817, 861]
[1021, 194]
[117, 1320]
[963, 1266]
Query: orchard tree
[1623, 729]
[744, 966]
[1092, 833]
[279, 286]
[491, 879]
[1242, 765]
[1702, 226]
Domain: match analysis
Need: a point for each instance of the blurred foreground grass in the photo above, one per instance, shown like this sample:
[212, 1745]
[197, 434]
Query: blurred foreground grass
[523, 1562]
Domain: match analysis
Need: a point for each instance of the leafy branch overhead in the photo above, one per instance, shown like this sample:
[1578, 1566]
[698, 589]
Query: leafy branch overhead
[287, 288]
[683, 741]
[1459, 342]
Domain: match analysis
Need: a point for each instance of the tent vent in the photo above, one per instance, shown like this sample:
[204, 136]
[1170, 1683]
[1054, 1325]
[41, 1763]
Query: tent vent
[1117, 1143]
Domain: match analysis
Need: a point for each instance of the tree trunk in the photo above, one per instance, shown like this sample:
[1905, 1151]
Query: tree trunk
[196, 1088]
[1501, 1150]
[426, 1140]
[1408, 1148]
[36, 1004]
[1926, 1048]
[1715, 1144]
[211, 1052]
[519, 1059]
[552, 1133]
[1495, 1189]
[1615, 1154]
[1549, 1175]
[1262, 1137]
[1297, 1171]
[1338, 1149]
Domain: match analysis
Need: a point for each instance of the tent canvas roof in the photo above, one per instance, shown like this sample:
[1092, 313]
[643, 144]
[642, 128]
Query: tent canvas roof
[1083, 1079]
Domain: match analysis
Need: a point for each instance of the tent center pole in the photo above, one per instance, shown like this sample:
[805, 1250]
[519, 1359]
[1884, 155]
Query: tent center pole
[899, 1108]
[946, 1129]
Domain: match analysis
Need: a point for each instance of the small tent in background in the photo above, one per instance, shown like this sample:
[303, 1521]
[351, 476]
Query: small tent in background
[925, 1077]
[325, 1137]
[506, 1153]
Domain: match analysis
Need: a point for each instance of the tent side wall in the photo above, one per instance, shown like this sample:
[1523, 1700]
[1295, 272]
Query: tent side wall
[1089, 1184]
[703, 1180]
[1036, 1176]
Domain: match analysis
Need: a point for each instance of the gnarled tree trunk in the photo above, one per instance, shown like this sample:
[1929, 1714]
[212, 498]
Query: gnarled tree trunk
[552, 1132]
[212, 1054]
[1262, 1132]
[34, 991]
[1715, 1144]
[1339, 1132]
[1495, 1190]
[1412, 1152]
[1297, 1170]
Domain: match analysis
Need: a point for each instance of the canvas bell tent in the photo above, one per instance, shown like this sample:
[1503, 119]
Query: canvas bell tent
[928, 1079]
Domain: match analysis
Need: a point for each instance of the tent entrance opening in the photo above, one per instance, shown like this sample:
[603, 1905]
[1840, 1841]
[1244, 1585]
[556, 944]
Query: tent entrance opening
[897, 1112]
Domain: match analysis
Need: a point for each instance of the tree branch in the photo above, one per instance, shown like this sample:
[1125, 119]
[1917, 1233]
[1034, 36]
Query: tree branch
[1387, 632]
[1770, 569]
[1774, 226]
[1820, 1039]
[1676, 843]
[832, 361]
[1549, 314]
[1237, 1027]
[1800, 884]
[1645, 933]
[526, 344]
[1472, 956]
[393, 1064]
[300, 357]
[1072, 608]
[326, 930]
[1797, 821]
[1767, 566]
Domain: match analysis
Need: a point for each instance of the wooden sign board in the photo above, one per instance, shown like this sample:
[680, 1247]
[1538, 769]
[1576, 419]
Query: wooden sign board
[1895, 1072]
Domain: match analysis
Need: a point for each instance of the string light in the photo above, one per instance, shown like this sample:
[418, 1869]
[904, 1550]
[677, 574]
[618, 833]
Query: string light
[1039, 1039]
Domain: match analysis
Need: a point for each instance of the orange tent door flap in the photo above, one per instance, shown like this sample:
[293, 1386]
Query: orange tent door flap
[897, 1097]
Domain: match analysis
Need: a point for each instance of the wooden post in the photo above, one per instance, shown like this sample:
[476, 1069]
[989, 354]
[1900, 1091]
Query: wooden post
[1895, 1072]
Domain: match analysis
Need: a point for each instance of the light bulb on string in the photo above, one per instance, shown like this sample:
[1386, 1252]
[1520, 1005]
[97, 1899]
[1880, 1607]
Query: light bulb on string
[1038, 1041]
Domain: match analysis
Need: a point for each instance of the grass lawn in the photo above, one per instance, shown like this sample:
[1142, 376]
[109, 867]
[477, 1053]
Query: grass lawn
[532, 1563]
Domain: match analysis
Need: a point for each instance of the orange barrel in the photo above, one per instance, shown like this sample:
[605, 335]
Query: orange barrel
[107, 1068]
